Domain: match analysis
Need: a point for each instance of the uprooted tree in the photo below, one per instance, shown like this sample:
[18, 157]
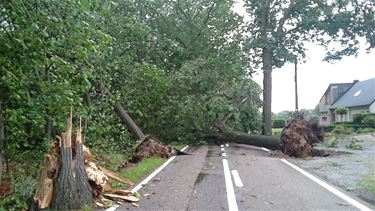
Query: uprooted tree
[297, 137]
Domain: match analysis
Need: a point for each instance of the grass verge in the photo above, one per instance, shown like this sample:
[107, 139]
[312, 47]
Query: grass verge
[143, 168]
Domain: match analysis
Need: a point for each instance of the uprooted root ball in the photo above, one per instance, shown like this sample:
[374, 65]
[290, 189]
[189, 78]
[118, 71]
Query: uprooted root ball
[299, 135]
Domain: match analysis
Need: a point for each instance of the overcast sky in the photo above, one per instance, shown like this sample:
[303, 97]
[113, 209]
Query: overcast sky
[314, 76]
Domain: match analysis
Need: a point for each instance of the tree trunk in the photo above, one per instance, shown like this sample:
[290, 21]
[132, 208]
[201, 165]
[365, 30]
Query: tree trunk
[125, 118]
[84, 191]
[1, 141]
[267, 92]
[295, 83]
[268, 142]
[71, 190]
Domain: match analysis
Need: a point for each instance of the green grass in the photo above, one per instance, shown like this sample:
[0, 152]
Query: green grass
[142, 169]
[369, 182]
[276, 132]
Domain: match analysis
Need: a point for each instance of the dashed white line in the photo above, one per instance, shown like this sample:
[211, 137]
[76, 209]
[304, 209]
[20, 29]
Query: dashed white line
[221, 145]
[223, 154]
[153, 174]
[328, 187]
[232, 203]
[222, 149]
[237, 179]
[227, 145]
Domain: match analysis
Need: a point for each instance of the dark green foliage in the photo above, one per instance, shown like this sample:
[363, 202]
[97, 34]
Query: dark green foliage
[278, 123]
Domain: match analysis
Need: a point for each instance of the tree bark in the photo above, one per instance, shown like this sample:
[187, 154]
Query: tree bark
[267, 91]
[125, 118]
[84, 191]
[2, 136]
[295, 83]
[71, 190]
[268, 142]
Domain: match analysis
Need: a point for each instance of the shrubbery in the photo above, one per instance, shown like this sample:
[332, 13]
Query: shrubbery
[278, 123]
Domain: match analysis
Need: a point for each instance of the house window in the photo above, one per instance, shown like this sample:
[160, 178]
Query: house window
[324, 118]
[357, 93]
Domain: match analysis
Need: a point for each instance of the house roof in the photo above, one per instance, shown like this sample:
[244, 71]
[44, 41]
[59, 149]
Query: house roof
[361, 93]
[334, 84]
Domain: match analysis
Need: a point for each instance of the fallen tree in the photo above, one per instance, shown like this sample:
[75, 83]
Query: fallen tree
[297, 137]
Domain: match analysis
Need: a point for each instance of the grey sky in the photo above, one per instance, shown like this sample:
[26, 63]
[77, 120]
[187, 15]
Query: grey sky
[314, 76]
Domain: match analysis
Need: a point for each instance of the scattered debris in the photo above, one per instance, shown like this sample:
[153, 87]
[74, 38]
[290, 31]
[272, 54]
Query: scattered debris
[55, 180]
[128, 197]
[135, 205]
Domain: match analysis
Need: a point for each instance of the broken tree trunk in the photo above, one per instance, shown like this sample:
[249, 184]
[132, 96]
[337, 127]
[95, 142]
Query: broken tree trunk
[70, 191]
[84, 191]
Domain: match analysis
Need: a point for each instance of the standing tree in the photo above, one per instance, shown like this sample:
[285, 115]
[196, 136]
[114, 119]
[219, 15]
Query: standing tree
[279, 30]
[341, 111]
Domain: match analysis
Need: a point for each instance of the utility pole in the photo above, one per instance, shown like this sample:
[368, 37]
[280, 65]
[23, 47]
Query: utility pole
[295, 83]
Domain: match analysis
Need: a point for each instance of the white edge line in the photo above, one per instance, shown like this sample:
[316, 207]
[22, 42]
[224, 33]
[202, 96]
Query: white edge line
[152, 175]
[265, 149]
[328, 187]
[232, 203]
[237, 178]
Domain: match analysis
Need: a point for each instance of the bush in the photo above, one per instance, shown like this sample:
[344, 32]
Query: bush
[278, 123]
[332, 142]
[366, 130]
[354, 144]
[364, 119]
[369, 121]
[328, 128]
[342, 130]
[22, 190]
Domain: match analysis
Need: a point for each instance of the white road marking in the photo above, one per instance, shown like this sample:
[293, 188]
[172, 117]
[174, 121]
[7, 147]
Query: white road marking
[232, 203]
[221, 145]
[328, 187]
[223, 155]
[237, 179]
[222, 149]
[265, 149]
[153, 174]
[227, 145]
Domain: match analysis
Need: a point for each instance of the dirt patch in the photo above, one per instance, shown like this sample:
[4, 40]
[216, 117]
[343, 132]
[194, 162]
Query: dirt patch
[213, 153]
[346, 168]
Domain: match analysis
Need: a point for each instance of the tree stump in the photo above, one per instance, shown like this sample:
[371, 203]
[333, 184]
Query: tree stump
[71, 189]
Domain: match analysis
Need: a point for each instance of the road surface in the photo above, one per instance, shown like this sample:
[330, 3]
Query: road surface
[203, 181]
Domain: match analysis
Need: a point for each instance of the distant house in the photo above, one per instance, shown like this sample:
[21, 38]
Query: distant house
[357, 97]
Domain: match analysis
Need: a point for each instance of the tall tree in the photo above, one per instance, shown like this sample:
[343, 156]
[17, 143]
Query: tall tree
[279, 30]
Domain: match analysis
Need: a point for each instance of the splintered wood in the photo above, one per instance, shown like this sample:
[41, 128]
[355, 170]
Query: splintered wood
[98, 177]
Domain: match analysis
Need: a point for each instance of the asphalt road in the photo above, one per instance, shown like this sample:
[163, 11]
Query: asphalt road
[198, 182]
